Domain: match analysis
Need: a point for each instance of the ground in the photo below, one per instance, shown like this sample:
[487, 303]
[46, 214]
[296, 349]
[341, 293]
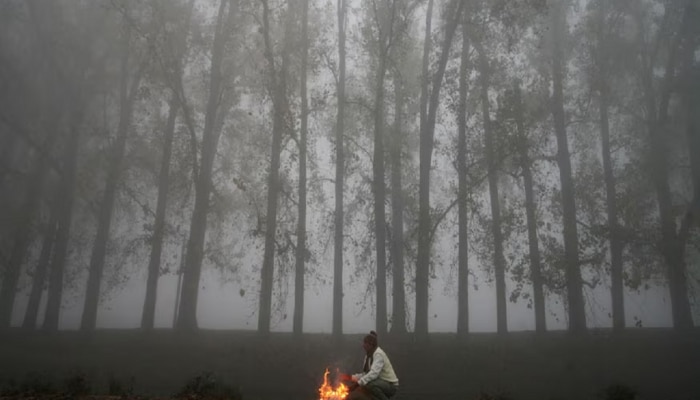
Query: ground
[656, 363]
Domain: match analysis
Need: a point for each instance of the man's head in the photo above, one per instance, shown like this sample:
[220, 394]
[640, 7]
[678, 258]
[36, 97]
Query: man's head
[370, 342]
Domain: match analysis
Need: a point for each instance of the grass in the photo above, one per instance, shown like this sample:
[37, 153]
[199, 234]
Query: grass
[647, 363]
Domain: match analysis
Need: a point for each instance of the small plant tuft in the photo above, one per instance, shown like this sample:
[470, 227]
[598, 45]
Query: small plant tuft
[493, 396]
[207, 386]
[77, 385]
[119, 388]
[36, 384]
[618, 391]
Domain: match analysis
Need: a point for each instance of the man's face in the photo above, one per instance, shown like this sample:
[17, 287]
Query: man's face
[366, 346]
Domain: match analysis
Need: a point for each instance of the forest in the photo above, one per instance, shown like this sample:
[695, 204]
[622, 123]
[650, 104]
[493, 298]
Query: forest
[408, 166]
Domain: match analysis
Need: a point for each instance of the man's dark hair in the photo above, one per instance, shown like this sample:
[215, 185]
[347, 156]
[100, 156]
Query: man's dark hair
[371, 339]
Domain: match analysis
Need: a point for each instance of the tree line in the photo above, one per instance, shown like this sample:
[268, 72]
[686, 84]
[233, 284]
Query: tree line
[554, 145]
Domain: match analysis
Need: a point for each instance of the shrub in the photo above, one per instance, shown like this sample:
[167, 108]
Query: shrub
[207, 386]
[619, 392]
[117, 387]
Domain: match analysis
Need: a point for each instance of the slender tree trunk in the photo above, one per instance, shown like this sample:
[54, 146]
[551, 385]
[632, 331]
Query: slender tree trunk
[187, 313]
[693, 134]
[39, 278]
[691, 102]
[463, 191]
[398, 321]
[127, 97]
[339, 181]
[379, 185]
[426, 153]
[617, 294]
[616, 245]
[178, 286]
[492, 168]
[577, 314]
[530, 212]
[174, 106]
[22, 232]
[278, 89]
[298, 323]
[671, 247]
[65, 215]
[149, 304]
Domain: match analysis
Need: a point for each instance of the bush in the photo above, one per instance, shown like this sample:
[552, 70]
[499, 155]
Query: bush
[77, 385]
[207, 386]
[493, 396]
[619, 392]
[117, 387]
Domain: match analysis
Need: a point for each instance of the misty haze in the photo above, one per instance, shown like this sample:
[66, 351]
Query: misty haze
[454, 199]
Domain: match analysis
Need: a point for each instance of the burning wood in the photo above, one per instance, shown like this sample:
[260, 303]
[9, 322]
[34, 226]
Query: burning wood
[327, 392]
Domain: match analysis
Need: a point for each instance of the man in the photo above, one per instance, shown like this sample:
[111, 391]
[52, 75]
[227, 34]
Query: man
[377, 381]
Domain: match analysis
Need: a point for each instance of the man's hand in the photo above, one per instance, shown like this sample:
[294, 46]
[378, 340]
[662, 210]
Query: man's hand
[346, 377]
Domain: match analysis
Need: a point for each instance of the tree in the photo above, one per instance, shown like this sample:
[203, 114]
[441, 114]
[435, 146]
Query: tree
[577, 315]
[525, 162]
[463, 190]
[303, 134]
[428, 115]
[40, 272]
[174, 106]
[187, 315]
[601, 54]
[127, 97]
[398, 320]
[277, 86]
[492, 168]
[385, 34]
[339, 179]
[657, 109]
[427, 129]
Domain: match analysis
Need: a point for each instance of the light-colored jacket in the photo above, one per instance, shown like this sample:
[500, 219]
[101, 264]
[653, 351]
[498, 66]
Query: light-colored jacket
[380, 368]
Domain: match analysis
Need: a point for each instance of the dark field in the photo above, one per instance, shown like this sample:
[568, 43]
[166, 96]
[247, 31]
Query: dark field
[657, 364]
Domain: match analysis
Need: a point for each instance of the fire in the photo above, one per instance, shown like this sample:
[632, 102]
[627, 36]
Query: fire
[327, 392]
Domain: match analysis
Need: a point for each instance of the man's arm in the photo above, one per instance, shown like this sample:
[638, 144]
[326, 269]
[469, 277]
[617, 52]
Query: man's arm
[377, 365]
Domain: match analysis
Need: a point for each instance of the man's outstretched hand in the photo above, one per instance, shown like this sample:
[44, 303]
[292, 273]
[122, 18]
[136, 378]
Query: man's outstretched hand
[346, 377]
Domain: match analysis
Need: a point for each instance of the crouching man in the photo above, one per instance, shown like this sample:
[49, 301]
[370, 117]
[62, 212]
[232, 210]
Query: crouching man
[377, 381]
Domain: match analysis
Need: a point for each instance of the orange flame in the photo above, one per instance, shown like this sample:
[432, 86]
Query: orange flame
[327, 392]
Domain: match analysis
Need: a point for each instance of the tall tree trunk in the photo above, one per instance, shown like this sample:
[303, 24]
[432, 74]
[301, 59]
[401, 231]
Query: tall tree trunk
[39, 278]
[425, 154]
[616, 245]
[65, 201]
[530, 212]
[378, 183]
[453, 11]
[398, 308]
[691, 102]
[671, 247]
[492, 172]
[175, 105]
[298, 323]
[339, 181]
[127, 97]
[187, 313]
[178, 286]
[22, 227]
[278, 92]
[22, 232]
[577, 314]
[149, 304]
[463, 191]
